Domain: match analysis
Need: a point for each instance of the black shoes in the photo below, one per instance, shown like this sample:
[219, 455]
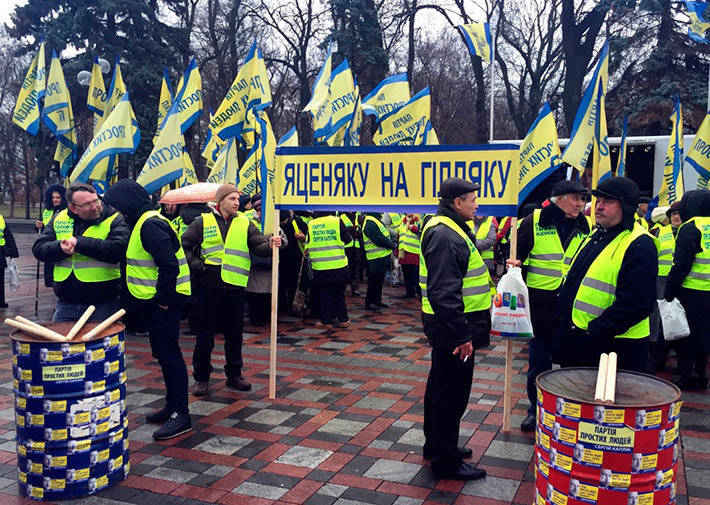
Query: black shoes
[239, 383]
[381, 305]
[159, 416]
[459, 471]
[201, 388]
[177, 425]
[528, 423]
[372, 307]
[461, 453]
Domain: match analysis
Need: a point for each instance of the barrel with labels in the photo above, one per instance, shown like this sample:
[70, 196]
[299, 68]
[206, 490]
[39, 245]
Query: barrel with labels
[621, 453]
[70, 412]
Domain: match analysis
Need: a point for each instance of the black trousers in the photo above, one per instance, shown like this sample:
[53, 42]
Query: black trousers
[689, 360]
[374, 287]
[353, 256]
[447, 390]
[411, 280]
[539, 360]
[259, 307]
[163, 332]
[332, 302]
[2, 288]
[223, 312]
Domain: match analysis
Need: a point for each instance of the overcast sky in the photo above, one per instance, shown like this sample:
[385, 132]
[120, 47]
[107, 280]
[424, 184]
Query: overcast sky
[6, 7]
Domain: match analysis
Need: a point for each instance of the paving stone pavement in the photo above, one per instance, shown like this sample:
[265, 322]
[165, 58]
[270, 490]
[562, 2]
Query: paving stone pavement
[345, 428]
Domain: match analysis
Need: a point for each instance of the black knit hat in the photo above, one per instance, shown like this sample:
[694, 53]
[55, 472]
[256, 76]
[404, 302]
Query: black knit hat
[454, 187]
[564, 187]
[625, 191]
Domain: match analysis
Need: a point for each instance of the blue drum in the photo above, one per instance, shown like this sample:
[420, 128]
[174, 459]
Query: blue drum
[70, 413]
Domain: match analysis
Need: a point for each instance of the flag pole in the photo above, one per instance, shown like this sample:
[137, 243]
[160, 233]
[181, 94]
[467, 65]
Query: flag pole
[508, 381]
[493, 51]
[274, 308]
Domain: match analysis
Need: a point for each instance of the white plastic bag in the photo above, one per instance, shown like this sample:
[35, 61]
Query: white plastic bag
[673, 320]
[13, 277]
[511, 307]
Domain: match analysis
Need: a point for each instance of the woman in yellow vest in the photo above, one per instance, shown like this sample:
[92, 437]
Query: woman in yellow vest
[408, 254]
[689, 281]
[54, 202]
[8, 249]
[157, 276]
[610, 288]
[378, 251]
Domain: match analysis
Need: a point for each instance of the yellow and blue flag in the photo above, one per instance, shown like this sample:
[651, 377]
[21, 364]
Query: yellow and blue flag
[388, 96]
[672, 184]
[226, 167]
[581, 139]
[267, 170]
[165, 100]
[703, 183]
[96, 99]
[58, 116]
[406, 125]
[65, 157]
[539, 154]
[333, 117]
[601, 163]
[430, 136]
[698, 24]
[698, 156]
[320, 86]
[116, 89]
[189, 176]
[290, 139]
[247, 180]
[119, 133]
[166, 161]
[187, 103]
[478, 39]
[250, 87]
[28, 107]
[352, 131]
[621, 164]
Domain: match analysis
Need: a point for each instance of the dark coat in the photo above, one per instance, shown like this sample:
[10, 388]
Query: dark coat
[373, 232]
[111, 250]
[695, 302]
[52, 188]
[9, 250]
[446, 255]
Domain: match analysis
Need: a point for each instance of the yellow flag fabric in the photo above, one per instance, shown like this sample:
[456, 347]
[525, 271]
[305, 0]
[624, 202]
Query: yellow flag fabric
[96, 99]
[119, 133]
[703, 183]
[28, 106]
[672, 184]
[212, 145]
[352, 130]
[388, 96]
[698, 25]
[115, 91]
[267, 170]
[601, 164]
[319, 93]
[250, 87]
[698, 156]
[290, 139]
[247, 182]
[478, 39]
[65, 157]
[333, 117]
[539, 153]
[165, 100]
[581, 140]
[166, 161]
[57, 113]
[188, 98]
[430, 136]
[405, 126]
[226, 167]
[189, 176]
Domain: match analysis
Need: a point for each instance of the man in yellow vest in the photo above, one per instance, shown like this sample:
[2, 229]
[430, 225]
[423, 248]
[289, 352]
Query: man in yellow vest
[351, 250]
[8, 249]
[485, 230]
[327, 236]
[546, 238]
[378, 251]
[157, 277]
[217, 246]
[456, 304]
[641, 211]
[408, 253]
[86, 242]
[689, 281]
[54, 202]
[610, 288]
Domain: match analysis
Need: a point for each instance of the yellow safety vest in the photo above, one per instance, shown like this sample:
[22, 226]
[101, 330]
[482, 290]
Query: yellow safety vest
[325, 246]
[179, 225]
[699, 275]
[348, 224]
[408, 240]
[482, 233]
[503, 222]
[372, 251]
[667, 248]
[548, 261]
[597, 291]
[85, 269]
[141, 270]
[297, 230]
[396, 219]
[475, 288]
[212, 245]
[236, 261]
[47, 216]
[642, 222]
[2, 231]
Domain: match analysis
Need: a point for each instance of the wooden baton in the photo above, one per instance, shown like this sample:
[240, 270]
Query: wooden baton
[610, 389]
[81, 322]
[38, 331]
[601, 378]
[104, 324]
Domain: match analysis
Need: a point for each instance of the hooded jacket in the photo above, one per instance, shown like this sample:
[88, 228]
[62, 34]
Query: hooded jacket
[158, 237]
[110, 250]
[446, 255]
[51, 189]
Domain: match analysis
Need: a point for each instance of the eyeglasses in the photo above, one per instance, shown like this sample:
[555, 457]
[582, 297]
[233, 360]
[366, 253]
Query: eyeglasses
[86, 205]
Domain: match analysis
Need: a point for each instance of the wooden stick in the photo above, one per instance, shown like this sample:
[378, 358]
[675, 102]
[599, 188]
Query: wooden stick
[610, 390]
[601, 378]
[104, 324]
[81, 322]
[508, 343]
[274, 308]
[38, 331]
[36, 325]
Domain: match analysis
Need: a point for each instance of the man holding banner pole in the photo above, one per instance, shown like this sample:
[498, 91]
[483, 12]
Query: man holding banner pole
[456, 318]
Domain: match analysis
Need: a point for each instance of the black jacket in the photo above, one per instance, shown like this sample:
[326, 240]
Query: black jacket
[635, 286]
[9, 250]
[373, 232]
[446, 255]
[158, 237]
[111, 250]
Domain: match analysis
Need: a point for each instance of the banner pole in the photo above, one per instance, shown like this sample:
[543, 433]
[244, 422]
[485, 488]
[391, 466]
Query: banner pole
[274, 309]
[508, 342]
[493, 51]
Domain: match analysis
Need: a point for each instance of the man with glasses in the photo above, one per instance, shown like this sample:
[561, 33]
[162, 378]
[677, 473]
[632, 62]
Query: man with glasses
[86, 242]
